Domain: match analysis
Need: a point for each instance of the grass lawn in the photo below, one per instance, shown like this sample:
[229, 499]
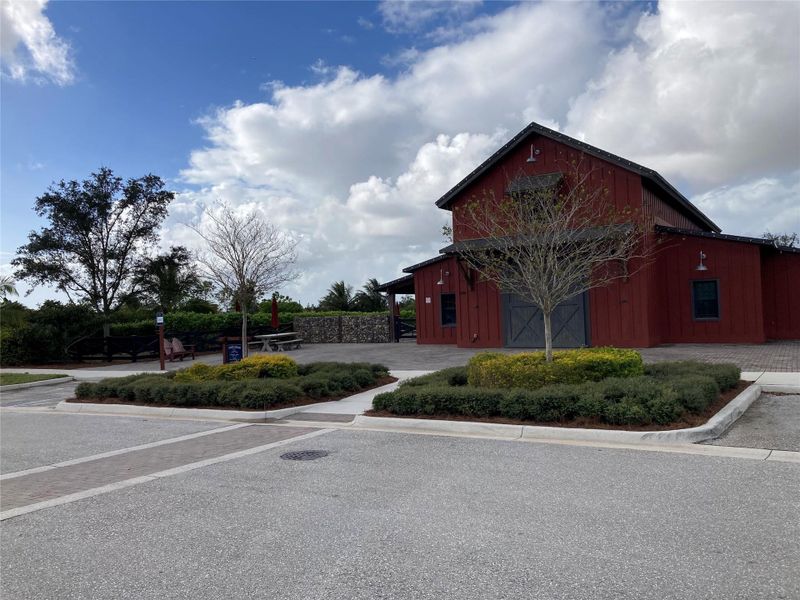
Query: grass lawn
[14, 378]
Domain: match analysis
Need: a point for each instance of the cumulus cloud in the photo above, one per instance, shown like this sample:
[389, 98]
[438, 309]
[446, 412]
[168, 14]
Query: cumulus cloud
[752, 208]
[708, 93]
[29, 46]
[353, 163]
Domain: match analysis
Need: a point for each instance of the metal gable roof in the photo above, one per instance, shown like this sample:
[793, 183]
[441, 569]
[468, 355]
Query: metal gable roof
[726, 237]
[649, 174]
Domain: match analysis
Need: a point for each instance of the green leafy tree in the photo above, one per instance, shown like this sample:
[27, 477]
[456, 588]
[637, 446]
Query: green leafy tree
[167, 280]
[199, 305]
[98, 231]
[338, 297]
[369, 299]
[285, 304]
[13, 314]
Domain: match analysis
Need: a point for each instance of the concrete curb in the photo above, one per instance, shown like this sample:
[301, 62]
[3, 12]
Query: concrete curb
[715, 427]
[468, 428]
[31, 384]
[246, 416]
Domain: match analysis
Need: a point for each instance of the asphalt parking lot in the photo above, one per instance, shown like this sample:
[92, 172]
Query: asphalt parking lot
[389, 515]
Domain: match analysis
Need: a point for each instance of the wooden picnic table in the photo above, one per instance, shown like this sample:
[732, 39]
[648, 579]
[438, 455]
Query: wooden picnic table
[269, 340]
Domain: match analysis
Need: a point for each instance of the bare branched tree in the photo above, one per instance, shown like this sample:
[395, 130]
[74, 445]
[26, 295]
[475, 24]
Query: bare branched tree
[550, 239]
[245, 256]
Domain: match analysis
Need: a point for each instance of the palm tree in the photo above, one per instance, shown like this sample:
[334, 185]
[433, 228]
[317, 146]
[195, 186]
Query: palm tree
[369, 299]
[7, 287]
[168, 279]
[339, 297]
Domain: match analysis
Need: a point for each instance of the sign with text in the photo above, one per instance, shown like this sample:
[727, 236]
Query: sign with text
[233, 353]
[159, 318]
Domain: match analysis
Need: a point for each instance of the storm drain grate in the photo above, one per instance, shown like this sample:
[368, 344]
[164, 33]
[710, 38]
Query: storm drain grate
[304, 455]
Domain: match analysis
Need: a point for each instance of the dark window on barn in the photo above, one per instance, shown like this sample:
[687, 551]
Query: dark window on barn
[705, 299]
[448, 307]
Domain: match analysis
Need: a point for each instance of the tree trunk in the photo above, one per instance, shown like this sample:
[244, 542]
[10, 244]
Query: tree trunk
[245, 347]
[548, 336]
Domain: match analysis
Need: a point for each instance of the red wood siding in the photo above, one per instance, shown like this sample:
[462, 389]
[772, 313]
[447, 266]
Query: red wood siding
[479, 323]
[624, 187]
[736, 265]
[429, 326]
[665, 214]
[477, 308]
[780, 273]
[619, 313]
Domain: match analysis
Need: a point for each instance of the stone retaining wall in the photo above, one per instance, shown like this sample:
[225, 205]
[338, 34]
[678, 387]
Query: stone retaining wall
[368, 329]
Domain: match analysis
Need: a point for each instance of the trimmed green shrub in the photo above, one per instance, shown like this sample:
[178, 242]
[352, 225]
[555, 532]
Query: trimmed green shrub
[277, 366]
[322, 380]
[429, 400]
[315, 386]
[615, 400]
[551, 403]
[695, 392]
[530, 370]
[726, 375]
[626, 413]
[451, 376]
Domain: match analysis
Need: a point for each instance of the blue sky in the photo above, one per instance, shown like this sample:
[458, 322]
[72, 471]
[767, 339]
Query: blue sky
[146, 71]
[343, 122]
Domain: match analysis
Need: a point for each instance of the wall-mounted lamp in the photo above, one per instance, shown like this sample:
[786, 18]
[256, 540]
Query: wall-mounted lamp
[442, 273]
[701, 266]
[534, 153]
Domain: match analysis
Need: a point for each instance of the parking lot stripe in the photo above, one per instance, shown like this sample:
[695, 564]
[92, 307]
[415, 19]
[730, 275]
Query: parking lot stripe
[77, 461]
[118, 485]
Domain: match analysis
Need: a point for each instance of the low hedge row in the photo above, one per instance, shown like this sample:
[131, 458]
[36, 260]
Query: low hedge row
[726, 375]
[660, 398]
[189, 321]
[530, 370]
[316, 380]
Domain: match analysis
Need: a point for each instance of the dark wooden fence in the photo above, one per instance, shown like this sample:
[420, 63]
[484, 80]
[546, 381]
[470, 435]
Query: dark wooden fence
[136, 347]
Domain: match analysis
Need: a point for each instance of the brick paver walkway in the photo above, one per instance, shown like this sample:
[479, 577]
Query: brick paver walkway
[772, 356]
[62, 481]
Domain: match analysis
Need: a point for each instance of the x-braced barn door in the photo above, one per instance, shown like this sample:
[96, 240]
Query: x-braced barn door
[523, 324]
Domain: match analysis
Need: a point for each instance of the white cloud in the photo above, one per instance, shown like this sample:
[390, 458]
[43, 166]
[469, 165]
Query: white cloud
[29, 46]
[353, 163]
[757, 206]
[365, 23]
[404, 16]
[707, 93]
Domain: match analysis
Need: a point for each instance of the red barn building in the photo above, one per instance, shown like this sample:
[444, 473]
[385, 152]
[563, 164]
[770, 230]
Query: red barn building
[702, 286]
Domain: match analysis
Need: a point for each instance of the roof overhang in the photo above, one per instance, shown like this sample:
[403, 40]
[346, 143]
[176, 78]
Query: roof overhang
[401, 285]
[657, 180]
[424, 263]
[726, 237]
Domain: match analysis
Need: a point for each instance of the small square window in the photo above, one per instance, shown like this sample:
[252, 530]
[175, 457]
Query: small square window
[705, 299]
[448, 308]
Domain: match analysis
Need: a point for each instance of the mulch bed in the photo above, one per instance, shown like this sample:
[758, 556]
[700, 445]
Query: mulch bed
[587, 423]
[304, 401]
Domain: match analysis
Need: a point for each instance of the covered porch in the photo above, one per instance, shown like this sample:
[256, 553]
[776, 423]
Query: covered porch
[402, 286]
